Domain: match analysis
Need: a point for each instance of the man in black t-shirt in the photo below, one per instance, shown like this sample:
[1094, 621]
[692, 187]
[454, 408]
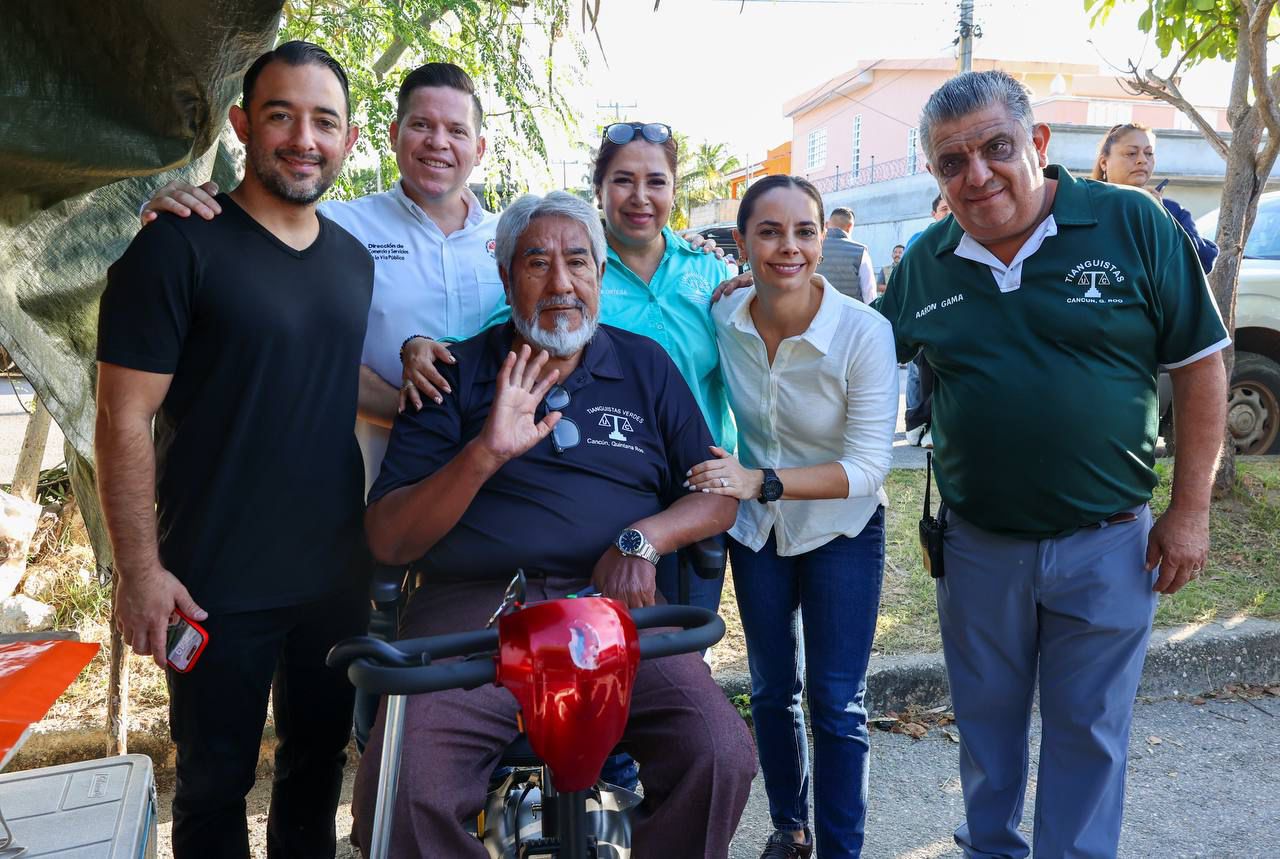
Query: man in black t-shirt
[246, 513]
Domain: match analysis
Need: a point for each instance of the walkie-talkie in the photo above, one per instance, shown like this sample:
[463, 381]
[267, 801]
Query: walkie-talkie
[932, 531]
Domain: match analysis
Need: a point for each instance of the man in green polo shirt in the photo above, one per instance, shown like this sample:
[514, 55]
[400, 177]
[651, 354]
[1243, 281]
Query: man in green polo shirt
[1046, 308]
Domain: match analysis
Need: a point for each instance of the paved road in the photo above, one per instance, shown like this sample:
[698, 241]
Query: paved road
[1210, 788]
[13, 425]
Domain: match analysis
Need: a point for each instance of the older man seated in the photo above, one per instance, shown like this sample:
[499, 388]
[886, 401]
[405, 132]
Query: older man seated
[571, 466]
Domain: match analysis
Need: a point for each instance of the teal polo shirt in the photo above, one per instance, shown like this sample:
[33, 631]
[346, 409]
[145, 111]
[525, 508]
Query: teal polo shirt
[1044, 405]
[674, 309]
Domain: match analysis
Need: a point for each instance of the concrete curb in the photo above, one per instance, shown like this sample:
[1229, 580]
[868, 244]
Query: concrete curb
[1182, 660]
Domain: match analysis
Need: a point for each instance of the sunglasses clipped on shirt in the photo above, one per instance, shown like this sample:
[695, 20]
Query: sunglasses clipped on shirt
[625, 132]
[564, 434]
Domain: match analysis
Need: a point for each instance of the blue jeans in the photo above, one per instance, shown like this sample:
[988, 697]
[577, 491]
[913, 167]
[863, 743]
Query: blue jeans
[809, 620]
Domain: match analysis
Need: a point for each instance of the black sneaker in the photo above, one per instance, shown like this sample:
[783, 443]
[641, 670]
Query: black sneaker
[782, 846]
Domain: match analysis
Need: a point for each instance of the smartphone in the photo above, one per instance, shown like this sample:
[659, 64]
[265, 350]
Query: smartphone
[185, 642]
[1160, 187]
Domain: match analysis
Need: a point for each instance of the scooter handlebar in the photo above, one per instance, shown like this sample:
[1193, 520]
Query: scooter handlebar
[406, 667]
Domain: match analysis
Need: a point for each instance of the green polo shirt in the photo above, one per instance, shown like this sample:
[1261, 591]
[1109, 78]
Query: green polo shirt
[674, 308]
[1044, 405]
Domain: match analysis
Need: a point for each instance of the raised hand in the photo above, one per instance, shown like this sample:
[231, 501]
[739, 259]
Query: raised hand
[511, 428]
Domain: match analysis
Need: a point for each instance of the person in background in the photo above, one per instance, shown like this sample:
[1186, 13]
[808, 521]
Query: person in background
[919, 376]
[846, 264]
[886, 272]
[1127, 156]
[813, 383]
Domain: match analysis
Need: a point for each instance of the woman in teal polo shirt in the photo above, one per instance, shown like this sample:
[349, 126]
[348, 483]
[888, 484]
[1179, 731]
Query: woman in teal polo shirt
[655, 284]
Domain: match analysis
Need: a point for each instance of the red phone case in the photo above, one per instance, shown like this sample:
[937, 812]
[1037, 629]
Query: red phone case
[184, 643]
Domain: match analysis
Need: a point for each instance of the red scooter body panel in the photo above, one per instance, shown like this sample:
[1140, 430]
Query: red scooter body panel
[571, 665]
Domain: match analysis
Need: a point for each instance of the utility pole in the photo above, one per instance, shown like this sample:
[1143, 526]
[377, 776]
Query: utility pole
[968, 32]
[616, 107]
[564, 172]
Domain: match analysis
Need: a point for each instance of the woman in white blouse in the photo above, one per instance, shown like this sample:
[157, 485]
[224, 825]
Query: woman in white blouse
[813, 384]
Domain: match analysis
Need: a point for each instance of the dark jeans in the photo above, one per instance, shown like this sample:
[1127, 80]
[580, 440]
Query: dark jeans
[216, 716]
[811, 618]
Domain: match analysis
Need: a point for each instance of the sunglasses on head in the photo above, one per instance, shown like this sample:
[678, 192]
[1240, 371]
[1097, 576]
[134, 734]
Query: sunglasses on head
[624, 132]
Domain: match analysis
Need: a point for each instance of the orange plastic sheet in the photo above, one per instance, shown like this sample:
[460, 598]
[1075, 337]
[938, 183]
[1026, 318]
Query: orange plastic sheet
[32, 676]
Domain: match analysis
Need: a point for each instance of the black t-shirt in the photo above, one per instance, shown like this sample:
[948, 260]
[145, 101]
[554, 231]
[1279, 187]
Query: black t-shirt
[555, 513]
[258, 476]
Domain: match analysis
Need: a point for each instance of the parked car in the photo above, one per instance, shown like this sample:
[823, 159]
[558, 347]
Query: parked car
[722, 235]
[1253, 410]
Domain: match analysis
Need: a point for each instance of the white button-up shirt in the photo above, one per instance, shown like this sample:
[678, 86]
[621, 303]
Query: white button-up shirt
[424, 282]
[831, 395]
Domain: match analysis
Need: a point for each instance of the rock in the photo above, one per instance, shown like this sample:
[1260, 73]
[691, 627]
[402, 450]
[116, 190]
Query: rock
[18, 519]
[23, 614]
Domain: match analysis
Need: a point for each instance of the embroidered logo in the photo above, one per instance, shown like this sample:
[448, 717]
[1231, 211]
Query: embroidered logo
[1090, 275]
[492, 247]
[619, 423]
[695, 287]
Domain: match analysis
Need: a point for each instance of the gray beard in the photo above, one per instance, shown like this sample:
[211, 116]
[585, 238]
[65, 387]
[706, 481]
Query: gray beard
[560, 342]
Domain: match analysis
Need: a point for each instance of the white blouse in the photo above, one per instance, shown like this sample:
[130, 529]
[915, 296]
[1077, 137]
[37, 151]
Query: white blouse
[831, 395]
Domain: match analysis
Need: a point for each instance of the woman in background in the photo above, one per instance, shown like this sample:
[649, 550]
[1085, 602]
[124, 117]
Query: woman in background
[1127, 156]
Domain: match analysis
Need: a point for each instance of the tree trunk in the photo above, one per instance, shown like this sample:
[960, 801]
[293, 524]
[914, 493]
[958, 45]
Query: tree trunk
[1241, 189]
[27, 473]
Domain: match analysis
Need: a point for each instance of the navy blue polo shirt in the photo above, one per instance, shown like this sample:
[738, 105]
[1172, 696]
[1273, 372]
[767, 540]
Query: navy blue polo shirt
[547, 512]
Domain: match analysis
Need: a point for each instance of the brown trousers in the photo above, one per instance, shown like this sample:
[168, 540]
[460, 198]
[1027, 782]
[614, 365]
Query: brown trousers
[697, 758]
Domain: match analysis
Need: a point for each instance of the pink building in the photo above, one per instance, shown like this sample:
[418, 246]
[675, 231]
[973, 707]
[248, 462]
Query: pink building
[865, 120]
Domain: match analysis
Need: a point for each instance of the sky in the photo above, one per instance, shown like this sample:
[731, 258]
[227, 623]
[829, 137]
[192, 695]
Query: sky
[720, 70]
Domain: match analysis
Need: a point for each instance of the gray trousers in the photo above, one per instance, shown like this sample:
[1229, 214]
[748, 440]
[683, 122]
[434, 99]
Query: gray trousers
[1075, 614]
[697, 758]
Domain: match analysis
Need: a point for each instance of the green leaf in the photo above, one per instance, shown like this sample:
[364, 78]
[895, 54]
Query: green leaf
[1204, 5]
[1144, 21]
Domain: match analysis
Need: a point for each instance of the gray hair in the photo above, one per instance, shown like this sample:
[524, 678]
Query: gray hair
[517, 217]
[970, 92]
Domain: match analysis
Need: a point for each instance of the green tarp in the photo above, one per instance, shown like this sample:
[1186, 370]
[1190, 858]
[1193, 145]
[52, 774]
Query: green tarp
[100, 103]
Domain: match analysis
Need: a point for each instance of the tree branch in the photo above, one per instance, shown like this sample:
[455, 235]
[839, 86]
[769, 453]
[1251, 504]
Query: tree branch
[1167, 91]
[1173, 74]
[398, 46]
[1263, 92]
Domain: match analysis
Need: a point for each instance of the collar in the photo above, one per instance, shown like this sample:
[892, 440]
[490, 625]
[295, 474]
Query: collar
[599, 358]
[673, 244]
[836, 233]
[475, 212]
[822, 328]
[1009, 276]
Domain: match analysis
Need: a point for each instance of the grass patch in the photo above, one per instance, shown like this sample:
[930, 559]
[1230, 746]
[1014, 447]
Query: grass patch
[1241, 579]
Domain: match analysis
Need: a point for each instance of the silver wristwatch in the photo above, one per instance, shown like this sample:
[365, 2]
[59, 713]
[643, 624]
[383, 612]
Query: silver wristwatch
[632, 542]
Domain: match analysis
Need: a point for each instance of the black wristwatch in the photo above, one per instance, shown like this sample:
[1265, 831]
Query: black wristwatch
[771, 488]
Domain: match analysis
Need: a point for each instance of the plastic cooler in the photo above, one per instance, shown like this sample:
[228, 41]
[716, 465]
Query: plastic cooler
[101, 809]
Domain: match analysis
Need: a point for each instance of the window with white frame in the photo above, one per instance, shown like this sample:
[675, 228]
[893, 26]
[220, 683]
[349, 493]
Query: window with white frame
[1110, 113]
[856, 161]
[817, 153]
[913, 143]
